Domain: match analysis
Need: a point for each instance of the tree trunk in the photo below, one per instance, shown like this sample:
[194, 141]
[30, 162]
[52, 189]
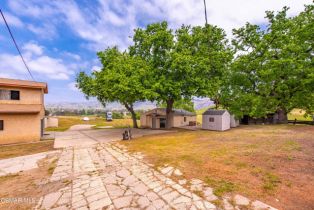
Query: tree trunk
[169, 113]
[216, 101]
[282, 116]
[133, 114]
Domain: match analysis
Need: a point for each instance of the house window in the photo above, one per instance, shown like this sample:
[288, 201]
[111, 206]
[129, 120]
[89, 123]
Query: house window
[5, 94]
[184, 119]
[211, 119]
[1, 125]
[9, 95]
[15, 95]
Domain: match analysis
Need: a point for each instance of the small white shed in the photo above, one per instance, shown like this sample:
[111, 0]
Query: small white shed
[216, 120]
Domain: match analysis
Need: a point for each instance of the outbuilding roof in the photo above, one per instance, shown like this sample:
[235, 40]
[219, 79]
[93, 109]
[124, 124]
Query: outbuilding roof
[214, 112]
[177, 112]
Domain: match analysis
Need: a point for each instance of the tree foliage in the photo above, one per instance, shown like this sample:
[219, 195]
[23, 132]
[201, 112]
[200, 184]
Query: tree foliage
[123, 78]
[185, 63]
[273, 70]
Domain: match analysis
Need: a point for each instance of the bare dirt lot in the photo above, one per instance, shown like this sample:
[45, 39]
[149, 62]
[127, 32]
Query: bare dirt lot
[273, 163]
[23, 190]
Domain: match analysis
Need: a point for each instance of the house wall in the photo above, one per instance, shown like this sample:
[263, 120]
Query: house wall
[20, 128]
[143, 120]
[178, 121]
[23, 127]
[27, 96]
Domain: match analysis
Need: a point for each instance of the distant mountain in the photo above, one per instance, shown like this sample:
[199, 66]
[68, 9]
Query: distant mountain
[199, 103]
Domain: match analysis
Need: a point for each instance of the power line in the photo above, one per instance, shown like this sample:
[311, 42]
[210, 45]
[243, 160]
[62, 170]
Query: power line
[18, 49]
[205, 11]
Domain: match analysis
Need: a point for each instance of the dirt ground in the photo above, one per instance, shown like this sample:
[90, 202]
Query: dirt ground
[271, 163]
[23, 190]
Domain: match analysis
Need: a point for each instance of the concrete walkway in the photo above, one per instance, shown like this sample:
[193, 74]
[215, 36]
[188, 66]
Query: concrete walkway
[22, 163]
[81, 136]
[105, 176]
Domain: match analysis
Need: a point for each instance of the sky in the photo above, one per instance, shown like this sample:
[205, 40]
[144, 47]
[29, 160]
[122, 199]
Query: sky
[60, 38]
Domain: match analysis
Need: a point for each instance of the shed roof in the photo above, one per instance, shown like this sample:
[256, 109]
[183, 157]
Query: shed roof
[24, 84]
[214, 112]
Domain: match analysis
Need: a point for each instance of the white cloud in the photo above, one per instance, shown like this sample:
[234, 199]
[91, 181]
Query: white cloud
[41, 65]
[33, 48]
[45, 31]
[72, 86]
[96, 68]
[111, 22]
[73, 56]
[11, 20]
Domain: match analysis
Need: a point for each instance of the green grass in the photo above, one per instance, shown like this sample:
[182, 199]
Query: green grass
[220, 186]
[299, 114]
[271, 181]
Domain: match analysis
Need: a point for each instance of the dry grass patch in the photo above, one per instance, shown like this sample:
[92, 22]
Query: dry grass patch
[266, 162]
[65, 122]
[10, 151]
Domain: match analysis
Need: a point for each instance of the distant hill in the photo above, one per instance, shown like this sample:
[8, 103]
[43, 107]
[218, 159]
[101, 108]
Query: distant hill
[199, 103]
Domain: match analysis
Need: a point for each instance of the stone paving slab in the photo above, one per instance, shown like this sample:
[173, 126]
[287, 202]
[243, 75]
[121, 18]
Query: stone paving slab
[22, 163]
[107, 176]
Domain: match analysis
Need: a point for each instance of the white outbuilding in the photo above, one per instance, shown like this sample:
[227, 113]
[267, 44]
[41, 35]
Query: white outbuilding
[216, 120]
[234, 122]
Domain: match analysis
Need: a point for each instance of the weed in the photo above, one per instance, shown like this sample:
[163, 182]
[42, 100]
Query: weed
[6, 177]
[220, 186]
[240, 165]
[198, 192]
[52, 166]
[291, 145]
[271, 181]
[217, 203]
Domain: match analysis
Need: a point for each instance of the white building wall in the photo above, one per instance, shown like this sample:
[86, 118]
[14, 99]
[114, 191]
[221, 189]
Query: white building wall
[216, 125]
[234, 122]
[221, 122]
[51, 122]
[225, 121]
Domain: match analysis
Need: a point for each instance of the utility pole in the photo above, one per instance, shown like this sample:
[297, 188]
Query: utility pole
[205, 12]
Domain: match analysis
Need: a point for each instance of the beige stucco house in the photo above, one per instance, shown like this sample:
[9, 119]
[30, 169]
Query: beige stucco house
[156, 118]
[21, 110]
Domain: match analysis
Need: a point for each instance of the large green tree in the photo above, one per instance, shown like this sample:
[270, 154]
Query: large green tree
[185, 63]
[123, 79]
[273, 71]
